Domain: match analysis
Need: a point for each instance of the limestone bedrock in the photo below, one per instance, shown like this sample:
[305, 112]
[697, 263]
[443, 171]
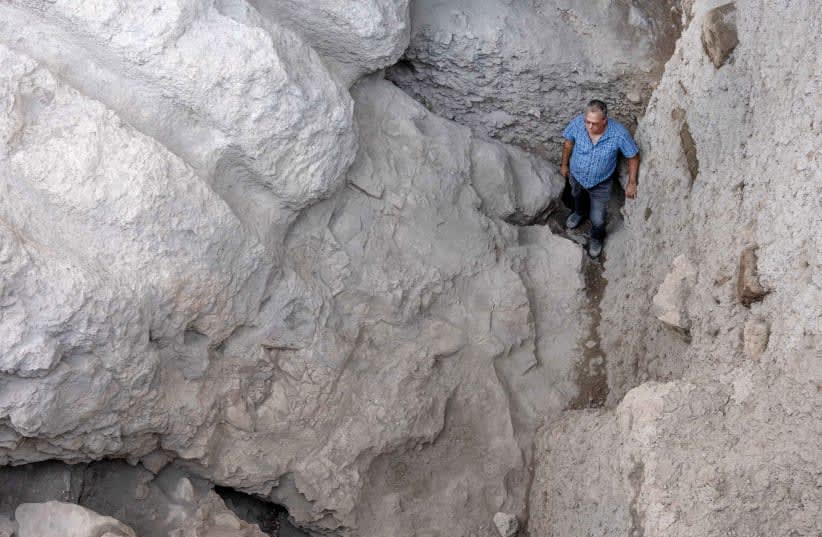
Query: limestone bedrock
[519, 71]
[240, 99]
[354, 36]
[212, 251]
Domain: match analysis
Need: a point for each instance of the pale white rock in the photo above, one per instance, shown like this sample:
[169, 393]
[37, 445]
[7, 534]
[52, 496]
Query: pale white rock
[155, 461]
[518, 71]
[354, 36]
[58, 519]
[183, 491]
[212, 518]
[755, 336]
[248, 104]
[551, 270]
[7, 527]
[113, 249]
[507, 525]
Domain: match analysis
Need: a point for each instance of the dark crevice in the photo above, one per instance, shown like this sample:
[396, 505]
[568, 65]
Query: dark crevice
[270, 517]
[591, 370]
[128, 493]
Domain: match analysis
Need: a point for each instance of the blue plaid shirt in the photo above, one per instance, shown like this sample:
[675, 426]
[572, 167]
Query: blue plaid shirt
[592, 164]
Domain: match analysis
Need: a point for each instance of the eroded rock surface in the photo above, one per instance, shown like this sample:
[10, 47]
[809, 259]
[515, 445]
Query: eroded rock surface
[358, 353]
[356, 37]
[519, 71]
[245, 102]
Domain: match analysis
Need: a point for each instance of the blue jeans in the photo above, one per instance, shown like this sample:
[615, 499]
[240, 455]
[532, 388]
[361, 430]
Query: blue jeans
[599, 195]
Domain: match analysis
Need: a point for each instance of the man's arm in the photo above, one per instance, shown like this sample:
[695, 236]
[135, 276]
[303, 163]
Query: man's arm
[633, 169]
[567, 147]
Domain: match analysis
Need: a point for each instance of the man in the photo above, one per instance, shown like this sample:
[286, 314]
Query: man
[592, 142]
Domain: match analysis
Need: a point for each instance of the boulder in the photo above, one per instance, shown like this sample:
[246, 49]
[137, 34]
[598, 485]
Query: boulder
[748, 287]
[192, 270]
[513, 185]
[247, 103]
[719, 36]
[161, 327]
[355, 37]
[58, 519]
[755, 336]
[507, 525]
[670, 303]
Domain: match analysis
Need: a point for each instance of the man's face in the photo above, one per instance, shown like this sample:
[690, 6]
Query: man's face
[595, 123]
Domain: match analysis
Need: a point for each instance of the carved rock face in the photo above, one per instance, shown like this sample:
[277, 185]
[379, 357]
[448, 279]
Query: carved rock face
[519, 71]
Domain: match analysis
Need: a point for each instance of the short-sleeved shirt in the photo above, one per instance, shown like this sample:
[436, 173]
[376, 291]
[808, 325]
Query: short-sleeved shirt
[592, 163]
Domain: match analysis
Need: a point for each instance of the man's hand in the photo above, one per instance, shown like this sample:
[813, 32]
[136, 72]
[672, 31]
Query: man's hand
[630, 190]
[564, 171]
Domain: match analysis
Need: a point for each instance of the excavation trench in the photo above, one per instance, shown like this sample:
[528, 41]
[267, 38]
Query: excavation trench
[591, 368]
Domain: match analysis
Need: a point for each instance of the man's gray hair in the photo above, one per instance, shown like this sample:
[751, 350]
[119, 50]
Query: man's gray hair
[599, 106]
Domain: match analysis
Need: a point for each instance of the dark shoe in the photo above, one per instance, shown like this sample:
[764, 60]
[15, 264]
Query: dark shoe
[573, 221]
[595, 248]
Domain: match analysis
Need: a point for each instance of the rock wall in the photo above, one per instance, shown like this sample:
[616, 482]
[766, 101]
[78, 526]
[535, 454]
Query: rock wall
[214, 253]
[713, 303]
[518, 71]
